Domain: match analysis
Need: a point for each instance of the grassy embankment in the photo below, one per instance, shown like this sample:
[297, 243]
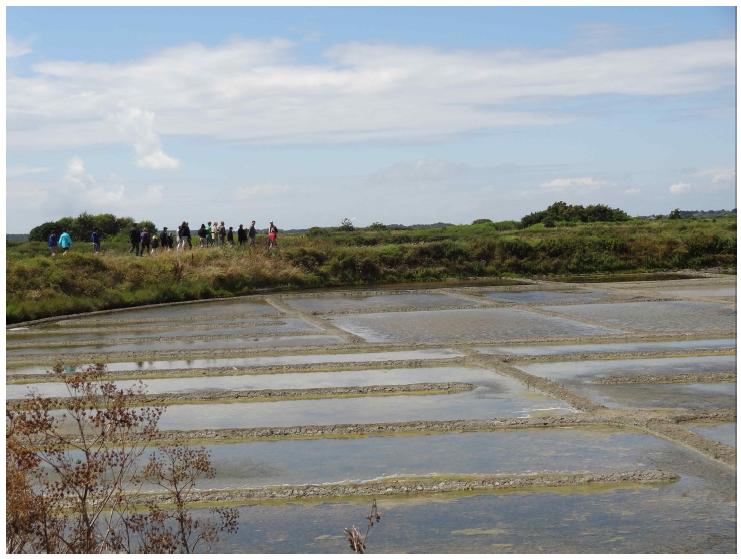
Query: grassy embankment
[39, 286]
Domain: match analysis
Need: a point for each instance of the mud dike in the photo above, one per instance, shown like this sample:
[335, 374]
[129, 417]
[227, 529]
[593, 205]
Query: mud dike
[610, 397]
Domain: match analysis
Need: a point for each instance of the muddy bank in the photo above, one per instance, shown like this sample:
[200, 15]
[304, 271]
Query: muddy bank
[415, 485]
[531, 381]
[729, 376]
[229, 396]
[708, 447]
[252, 370]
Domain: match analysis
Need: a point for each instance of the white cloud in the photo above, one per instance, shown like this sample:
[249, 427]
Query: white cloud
[22, 170]
[679, 188]
[718, 175]
[15, 48]
[574, 182]
[255, 92]
[420, 170]
[138, 125]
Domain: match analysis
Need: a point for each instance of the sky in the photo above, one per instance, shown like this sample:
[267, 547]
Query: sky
[306, 116]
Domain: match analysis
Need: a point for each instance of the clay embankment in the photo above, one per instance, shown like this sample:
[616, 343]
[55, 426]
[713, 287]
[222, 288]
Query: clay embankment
[415, 485]
[226, 396]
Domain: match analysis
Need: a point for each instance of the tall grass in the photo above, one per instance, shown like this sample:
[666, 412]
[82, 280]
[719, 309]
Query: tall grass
[40, 286]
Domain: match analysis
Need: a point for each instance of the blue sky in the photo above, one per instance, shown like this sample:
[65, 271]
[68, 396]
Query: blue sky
[416, 115]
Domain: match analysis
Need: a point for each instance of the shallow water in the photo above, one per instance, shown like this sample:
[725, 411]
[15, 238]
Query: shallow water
[717, 292]
[168, 312]
[524, 451]
[727, 343]
[655, 316]
[368, 303]
[547, 297]
[695, 514]
[43, 336]
[234, 362]
[188, 344]
[463, 325]
[722, 432]
[585, 371]
[690, 396]
[278, 381]
[500, 397]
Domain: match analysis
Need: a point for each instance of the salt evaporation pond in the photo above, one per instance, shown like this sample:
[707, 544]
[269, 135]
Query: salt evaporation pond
[696, 514]
[586, 371]
[656, 316]
[517, 451]
[43, 336]
[372, 377]
[726, 343]
[501, 397]
[189, 344]
[722, 432]
[463, 326]
[644, 396]
[547, 297]
[368, 303]
[287, 360]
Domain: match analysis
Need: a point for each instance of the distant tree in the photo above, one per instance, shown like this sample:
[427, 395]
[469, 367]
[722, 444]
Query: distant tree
[346, 225]
[676, 213]
[563, 212]
[481, 221]
[377, 226]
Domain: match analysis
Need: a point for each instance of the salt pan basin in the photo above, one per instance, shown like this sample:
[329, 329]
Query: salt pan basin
[463, 325]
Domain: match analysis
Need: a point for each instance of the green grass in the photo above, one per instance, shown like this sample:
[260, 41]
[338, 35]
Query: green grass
[39, 286]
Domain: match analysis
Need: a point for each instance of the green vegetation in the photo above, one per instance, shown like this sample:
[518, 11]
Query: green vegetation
[40, 286]
[81, 226]
[561, 212]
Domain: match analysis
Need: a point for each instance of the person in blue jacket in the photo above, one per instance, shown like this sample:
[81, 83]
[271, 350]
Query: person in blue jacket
[65, 241]
[95, 237]
[52, 240]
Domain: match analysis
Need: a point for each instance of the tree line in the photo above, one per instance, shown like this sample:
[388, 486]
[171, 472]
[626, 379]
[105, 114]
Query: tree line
[80, 227]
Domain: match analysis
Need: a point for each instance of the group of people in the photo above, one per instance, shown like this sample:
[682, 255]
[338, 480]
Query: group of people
[64, 242]
[143, 241]
[214, 234]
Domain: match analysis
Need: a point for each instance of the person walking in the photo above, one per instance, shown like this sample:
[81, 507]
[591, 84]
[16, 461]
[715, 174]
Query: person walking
[214, 232]
[181, 237]
[187, 236]
[95, 238]
[155, 242]
[134, 238]
[202, 236]
[146, 241]
[165, 239]
[208, 234]
[241, 235]
[252, 233]
[65, 242]
[52, 240]
[222, 234]
[230, 236]
[272, 236]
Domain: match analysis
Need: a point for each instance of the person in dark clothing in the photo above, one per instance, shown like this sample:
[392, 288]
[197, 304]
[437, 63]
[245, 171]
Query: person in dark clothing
[230, 236]
[202, 236]
[52, 240]
[95, 237]
[252, 233]
[187, 236]
[135, 238]
[241, 235]
[146, 241]
[165, 239]
[222, 234]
